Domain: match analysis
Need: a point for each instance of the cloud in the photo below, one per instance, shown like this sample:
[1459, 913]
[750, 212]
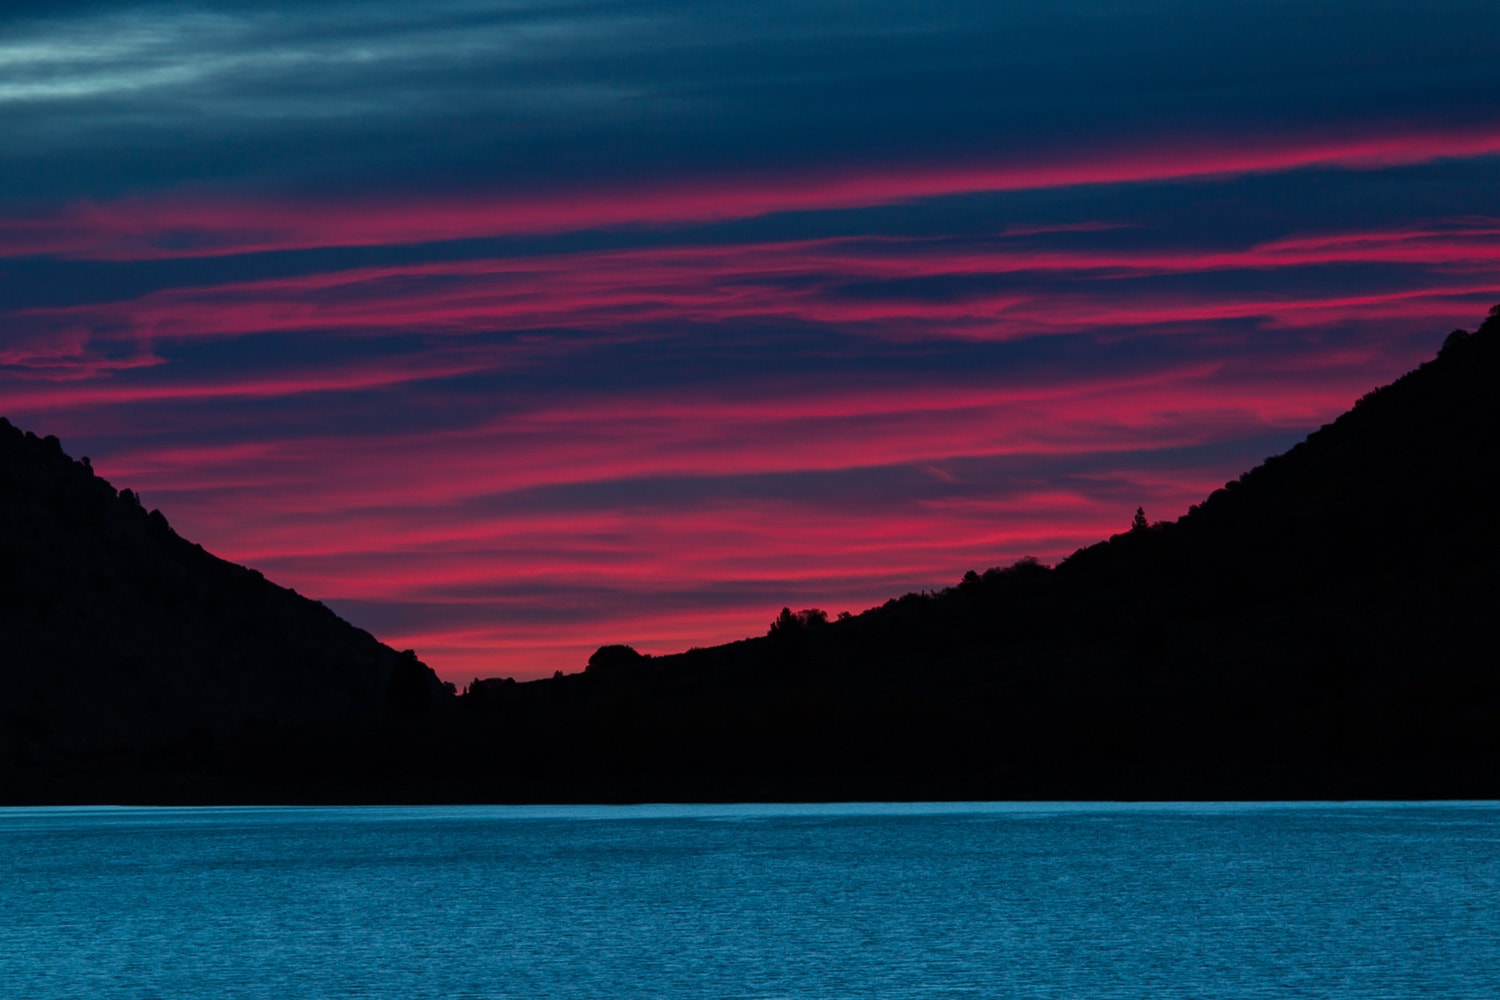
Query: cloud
[365, 328]
[64, 353]
[378, 95]
[514, 329]
[596, 511]
[186, 226]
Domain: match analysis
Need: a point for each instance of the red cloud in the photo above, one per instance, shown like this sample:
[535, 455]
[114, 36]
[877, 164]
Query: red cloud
[177, 227]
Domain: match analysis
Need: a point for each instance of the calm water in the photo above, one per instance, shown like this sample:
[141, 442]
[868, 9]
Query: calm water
[1077, 901]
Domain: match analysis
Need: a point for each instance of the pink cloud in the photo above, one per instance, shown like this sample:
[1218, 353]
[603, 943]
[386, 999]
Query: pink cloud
[181, 227]
[803, 555]
[608, 293]
[389, 521]
[459, 522]
[795, 428]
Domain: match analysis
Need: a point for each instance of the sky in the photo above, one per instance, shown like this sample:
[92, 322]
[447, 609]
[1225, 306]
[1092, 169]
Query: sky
[509, 330]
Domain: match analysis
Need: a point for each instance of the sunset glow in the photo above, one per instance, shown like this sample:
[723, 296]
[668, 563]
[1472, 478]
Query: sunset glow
[682, 332]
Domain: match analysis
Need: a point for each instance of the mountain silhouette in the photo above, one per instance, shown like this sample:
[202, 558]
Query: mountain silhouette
[1322, 626]
[124, 648]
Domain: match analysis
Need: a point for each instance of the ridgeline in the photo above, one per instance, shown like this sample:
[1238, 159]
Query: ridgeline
[136, 666]
[1322, 627]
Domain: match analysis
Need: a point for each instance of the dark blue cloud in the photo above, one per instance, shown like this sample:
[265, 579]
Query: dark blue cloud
[102, 100]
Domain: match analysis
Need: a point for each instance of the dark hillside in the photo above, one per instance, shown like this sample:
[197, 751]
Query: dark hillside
[124, 646]
[1324, 625]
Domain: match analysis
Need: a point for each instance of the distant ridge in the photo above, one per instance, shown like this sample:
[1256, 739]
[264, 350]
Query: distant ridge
[124, 648]
[1324, 626]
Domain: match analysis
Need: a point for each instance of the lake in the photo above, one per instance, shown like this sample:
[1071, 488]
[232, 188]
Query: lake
[859, 901]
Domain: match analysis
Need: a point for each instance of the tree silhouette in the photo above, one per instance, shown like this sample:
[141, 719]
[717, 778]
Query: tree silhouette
[1139, 522]
[611, 657]
[791, 622]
